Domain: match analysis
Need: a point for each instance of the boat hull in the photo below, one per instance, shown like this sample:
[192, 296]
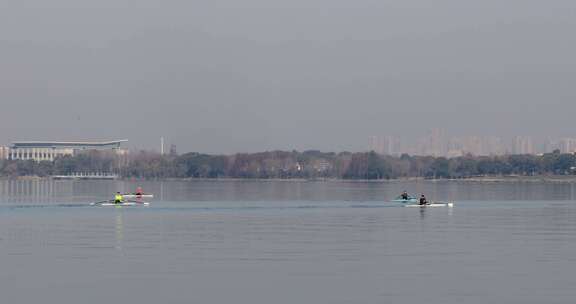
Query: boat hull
[125, 204]
[449, 205]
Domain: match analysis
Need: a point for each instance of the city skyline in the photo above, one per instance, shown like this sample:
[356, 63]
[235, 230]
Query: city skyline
[437, 143]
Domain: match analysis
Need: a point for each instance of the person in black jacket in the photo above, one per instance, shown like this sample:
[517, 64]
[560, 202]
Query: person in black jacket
[404, 195]
[423, 200]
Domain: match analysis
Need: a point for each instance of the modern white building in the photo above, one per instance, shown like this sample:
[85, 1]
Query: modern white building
[49, 150]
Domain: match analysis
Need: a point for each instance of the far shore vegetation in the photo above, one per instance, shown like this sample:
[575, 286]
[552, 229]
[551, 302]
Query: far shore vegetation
[296, 165]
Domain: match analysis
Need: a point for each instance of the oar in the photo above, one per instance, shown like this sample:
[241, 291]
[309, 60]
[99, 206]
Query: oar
[98, 203]
[137, 202]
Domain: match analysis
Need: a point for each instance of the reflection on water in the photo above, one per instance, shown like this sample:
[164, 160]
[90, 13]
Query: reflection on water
[37, 190]
[119, 228]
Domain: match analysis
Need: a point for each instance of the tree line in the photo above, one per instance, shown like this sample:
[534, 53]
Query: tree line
[290, 165]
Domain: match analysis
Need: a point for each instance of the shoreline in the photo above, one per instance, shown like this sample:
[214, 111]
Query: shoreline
[480, 179]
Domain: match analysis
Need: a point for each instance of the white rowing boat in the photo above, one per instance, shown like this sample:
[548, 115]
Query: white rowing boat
[112, 203]
[433, 204]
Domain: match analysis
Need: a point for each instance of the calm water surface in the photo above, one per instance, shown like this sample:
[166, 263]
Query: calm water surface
[287, 242]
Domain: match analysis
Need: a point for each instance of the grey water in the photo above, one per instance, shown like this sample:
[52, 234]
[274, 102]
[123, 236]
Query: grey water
[287, 242]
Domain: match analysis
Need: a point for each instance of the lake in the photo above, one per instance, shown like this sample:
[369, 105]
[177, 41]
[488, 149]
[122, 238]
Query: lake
[287, 242]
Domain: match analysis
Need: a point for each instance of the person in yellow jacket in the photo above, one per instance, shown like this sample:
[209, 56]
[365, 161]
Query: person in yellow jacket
[118, 198]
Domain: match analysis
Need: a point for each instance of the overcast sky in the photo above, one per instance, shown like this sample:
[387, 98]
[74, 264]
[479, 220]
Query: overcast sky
[251, 75]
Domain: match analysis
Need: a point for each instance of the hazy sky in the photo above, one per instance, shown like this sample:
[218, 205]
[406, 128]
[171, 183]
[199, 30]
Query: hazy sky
[254, 75]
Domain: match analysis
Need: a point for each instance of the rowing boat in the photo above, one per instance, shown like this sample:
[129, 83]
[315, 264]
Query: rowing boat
[112, 203]
[433, 204]
[134, 195]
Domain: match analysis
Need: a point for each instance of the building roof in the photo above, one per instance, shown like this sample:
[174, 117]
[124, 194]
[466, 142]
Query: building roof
[68, 144]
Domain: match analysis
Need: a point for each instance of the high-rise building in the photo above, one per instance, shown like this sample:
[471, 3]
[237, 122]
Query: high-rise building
[567, 145]
[494, 146]
[374, 144]
[437, 145]
[475, 145]
[550, 145]
[522, 145]
[383, 145]
[389, 145]
[433, 144]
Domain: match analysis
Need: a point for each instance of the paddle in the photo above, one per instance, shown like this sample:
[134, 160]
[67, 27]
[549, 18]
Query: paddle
[102, 202]
[137, 202]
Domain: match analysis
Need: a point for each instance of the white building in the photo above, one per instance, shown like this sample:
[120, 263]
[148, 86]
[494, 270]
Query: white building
[49, 150]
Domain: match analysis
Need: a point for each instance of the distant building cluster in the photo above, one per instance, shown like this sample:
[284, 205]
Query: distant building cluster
[437, 144]
[565, 145]
[50, 150]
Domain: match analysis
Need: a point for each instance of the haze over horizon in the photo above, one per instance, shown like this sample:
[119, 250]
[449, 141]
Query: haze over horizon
[228, 76]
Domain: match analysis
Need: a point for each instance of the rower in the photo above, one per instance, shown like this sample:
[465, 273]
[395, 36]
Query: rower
[118, 198]
[139, 191]
[404, 195]
[423, 200]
